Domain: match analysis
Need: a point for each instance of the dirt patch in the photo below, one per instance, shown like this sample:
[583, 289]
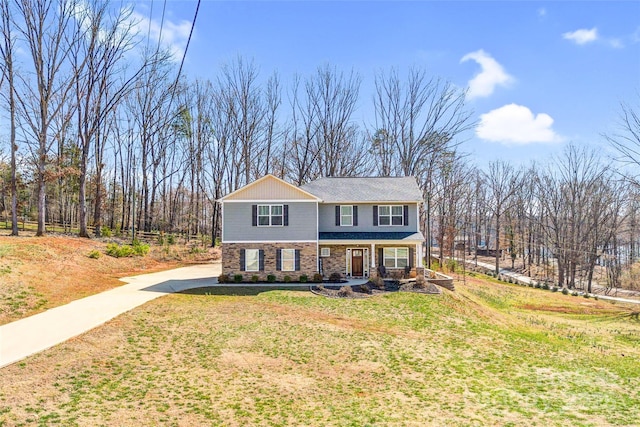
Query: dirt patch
[38, 273]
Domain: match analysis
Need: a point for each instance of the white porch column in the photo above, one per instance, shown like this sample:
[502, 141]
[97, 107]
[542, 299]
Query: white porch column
[373, 265]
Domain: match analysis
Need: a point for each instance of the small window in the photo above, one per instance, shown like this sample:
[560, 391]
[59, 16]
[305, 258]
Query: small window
[288, 260]
[391, 215]
[396, 257]
[252, 259]
[270, 215]
[346, 216]
[325, 252]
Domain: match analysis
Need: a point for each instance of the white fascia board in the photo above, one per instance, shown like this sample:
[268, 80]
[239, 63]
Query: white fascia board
[368, 242]
[271, 201]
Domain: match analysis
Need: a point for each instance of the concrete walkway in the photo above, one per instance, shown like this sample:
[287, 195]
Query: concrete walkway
[33, 334]
[527, 280]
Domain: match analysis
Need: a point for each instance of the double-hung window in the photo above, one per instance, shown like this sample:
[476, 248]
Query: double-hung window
[391, 215]
[252, 260]
[288, 259]
[346, 215]
[396, 257]
[270, 215]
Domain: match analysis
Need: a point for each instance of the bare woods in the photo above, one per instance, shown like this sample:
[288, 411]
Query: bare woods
[99, 130]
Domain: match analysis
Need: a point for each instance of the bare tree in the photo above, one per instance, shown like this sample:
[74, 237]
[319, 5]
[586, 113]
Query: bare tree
[8, 74]
[502, 182]
[627, 140]
[44, 25]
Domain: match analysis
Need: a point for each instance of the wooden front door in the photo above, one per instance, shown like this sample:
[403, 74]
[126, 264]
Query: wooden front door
[356, 262]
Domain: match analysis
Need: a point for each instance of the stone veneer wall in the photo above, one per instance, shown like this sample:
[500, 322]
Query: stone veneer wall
[337, 261]
[308, 257]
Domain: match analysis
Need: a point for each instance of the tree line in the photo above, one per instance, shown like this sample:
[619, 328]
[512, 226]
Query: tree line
[104, 131]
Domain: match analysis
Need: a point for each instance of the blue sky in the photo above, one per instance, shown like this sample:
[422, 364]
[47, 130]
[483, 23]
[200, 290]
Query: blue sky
[540, 74]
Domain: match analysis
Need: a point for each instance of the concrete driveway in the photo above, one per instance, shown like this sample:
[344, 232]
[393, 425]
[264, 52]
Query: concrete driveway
[28, 336]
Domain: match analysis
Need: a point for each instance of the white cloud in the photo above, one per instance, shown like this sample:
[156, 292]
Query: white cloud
[492, 75]
[582, 36]
[542, 12]
[516, 124]
[173, 35]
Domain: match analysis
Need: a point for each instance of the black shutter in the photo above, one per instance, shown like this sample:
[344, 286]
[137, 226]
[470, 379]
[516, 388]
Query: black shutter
[261, 260]
[355, 216]
[380, 257]
[242, 260]
[278, 259]
[285, 211]
[297, 259]
[405, 220]
[411, 257]
[254, 215]
[375, 215]
[337, 216]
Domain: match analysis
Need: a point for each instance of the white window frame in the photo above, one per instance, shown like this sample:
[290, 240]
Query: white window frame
[344, 216]
[246, 259]
[395, 257]
[288, 255]
[271, 215]
[325, 252]
[390, 215]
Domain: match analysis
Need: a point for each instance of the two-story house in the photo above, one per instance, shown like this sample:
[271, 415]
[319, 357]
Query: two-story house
[350, 226]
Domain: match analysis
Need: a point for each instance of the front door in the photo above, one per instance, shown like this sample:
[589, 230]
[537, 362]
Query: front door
[356, 262]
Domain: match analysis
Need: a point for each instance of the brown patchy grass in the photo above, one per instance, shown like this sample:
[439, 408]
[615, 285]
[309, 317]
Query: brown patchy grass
[250, 356]
[37, 273]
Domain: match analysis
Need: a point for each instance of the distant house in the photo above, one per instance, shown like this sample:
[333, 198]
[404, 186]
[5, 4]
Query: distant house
[351, 226]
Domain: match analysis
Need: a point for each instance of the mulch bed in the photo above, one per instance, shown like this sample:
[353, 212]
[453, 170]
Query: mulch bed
[369, 290]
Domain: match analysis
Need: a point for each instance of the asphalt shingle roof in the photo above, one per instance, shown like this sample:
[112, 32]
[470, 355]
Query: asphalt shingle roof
[370, 189]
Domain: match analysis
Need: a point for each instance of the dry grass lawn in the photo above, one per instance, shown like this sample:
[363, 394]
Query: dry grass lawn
[488, 354]
[37, 273]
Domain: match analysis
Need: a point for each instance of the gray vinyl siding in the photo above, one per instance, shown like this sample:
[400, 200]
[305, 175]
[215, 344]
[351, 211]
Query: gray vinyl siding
[327, 216]
[237, 223]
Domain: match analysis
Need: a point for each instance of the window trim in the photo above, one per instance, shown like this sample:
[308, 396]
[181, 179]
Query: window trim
[246, 259]
[283, 258]
[342, 224]
[270, 216]
[325, 252]
[391, 216]
[395, 257]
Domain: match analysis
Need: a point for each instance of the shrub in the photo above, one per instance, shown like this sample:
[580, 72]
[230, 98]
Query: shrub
[171, 239]
[287, 279]
[94, 254]
[237, 278]
[304, 278]
[117, 251]
[366, 289]
[377, 282]
[317, 278]
[545, 287]
[140, 249]
[574, 293]
[196, 250]
[254, 278]
[586, 295]
[554, 289]
[345, 291]
[105, 231]
[271, 278]
[223, 278]
[538, 285]
[335, 277]
[565, 291]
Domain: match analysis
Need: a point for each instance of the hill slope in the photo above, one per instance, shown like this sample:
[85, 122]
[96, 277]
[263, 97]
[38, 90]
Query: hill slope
[37, 273]
[488, 354]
